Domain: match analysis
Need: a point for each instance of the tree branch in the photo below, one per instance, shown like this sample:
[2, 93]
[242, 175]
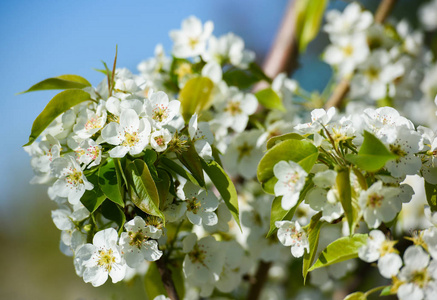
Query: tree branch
[166, 278]
[340, 92]
[258, 282]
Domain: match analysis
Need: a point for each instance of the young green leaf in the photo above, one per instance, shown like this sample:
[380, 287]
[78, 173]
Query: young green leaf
[58, 105]
[300, 151]
[195, 97]
[431, 195]
[192, 161]
[340, 250]
[178, 169]
[92, 199]
[110, 183]
[313, 238]
[280, 138]
[343, 185]
[270, 99]
[372, 155]
[142, 188]
[62, 82]
[309, 15]
[163, 187]
[224, 185]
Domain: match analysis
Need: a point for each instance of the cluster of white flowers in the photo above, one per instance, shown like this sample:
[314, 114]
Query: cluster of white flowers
[139, 176]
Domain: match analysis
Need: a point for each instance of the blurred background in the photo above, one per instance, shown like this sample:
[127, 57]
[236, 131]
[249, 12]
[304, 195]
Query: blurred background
[41, 39]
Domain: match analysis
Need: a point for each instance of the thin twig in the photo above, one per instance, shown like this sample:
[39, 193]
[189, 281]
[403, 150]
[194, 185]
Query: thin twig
[340, 92]
[166, 278]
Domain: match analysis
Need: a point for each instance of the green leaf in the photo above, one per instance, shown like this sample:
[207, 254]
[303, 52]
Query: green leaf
[142, 188]
[224, 185]
[372, 155]
[58, 105]
[153, 282]
[192, 161]
[258, 72]
[300, 151]
[163, 187]
[110, 182]
[431, 195]
[309, 15]
[61, 82]
[270, 99]
[92, 199]
[277, 213]
[356, 296]
[239, 78]
[313, 238]
[178, 169]
[113, 212]
[343, 185]
[195, 97]
[340, 250]
[280, 138]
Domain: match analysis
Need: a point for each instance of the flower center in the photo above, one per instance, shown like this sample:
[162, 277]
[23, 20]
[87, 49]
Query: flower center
[183, 70]
[244, 150]
[106, 259]
[160, 113]
[372, 73]
[92, 123]
[193, 43]
[374, 200]
[193, 205]
[233, 108]
[197, 255]
[75, 178]
[348, 50]
[130, 140]
[396, 149]
[160, 140]
[137, 238]
[421, 278]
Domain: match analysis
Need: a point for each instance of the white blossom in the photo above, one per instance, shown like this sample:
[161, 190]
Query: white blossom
[291, 180]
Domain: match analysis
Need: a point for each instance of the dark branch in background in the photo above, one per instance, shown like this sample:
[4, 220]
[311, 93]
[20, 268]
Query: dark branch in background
[166, 278]
[337, 97]
[282, 57]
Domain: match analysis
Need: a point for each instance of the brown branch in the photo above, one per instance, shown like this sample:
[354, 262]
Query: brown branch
[258, 282]
[340, 92]
[166, 278]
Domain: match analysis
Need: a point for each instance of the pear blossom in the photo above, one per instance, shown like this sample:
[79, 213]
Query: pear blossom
[235, 109]
[160, 110]
[381, 249]
[138, 242]
[203, 261]
[352, 19]
[324, 196]
[291, 234]
[228, 48]
[291, 180]
[379, 204]
[418, 278]
[159, 139]
[319, 118]
[90, 121]
[202, 137]
[89, 153]
[347, 52]
[71, 182]
[192, 38]
[131, 135]
[96, 261]
[200, 204]
[43, 153]
[243, 155]
[428, 15]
